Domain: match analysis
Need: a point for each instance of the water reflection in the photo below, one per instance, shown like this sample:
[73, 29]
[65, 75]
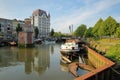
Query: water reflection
[64, 67]
[41, 60]
[37, 58]
[8, 57]
[52, 49]
[39, 63]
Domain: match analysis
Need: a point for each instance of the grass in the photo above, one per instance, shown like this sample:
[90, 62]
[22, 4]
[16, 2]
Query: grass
[111, 47]
[114, 53]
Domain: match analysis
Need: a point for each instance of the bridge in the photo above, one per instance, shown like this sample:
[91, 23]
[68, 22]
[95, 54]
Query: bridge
[102, 66]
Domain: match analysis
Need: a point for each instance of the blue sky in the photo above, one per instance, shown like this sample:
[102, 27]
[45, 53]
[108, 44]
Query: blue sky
[63, 12]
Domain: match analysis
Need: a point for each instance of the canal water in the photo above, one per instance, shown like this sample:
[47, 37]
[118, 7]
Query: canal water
[39, 63]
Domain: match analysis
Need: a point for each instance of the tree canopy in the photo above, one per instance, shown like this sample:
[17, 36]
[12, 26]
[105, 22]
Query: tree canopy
[97, 27]
[80, 30]
[18, 28]
[52, 32]
[109, 26]
[88, 32]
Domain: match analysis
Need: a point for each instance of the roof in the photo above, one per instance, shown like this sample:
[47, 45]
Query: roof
[40, 12]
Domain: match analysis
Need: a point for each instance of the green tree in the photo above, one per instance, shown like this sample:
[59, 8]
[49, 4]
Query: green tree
[18, 28]
[97, 27]
[80, 31]
[117, 34]
[36, 32]
[57, 34]
[52, 32]
[88, 32]
[109, 26]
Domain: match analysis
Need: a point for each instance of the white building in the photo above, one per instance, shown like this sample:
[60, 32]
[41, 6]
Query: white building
[41, 20]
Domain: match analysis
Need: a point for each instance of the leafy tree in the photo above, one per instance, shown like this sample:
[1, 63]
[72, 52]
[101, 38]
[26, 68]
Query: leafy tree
[97, 27]
[117, 34]
[57, 34]
[109, 26]
[36, 32]
[18, 28]
[52, 32]
[88, 32]
[80, 30]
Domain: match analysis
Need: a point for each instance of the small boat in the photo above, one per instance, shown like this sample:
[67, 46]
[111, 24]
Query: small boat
[13, 43]
[70, 46]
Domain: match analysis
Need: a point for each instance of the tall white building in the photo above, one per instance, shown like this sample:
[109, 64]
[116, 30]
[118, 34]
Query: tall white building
[41, 20]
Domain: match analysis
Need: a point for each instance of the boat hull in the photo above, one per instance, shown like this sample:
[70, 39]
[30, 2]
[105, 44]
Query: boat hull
[68, 51]
[50, 42]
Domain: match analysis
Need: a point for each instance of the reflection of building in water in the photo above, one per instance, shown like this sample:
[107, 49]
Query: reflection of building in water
[52, 49]
[64, 67]
[25, 55]
[8, 57]
[28, 61]
[41, 60]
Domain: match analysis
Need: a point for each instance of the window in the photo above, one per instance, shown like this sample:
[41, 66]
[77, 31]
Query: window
[8, 28]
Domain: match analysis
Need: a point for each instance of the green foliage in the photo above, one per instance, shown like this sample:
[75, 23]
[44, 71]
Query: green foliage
[109, 26]
[52, 32]
[88, 32]
[80, 31]
[36, 32]
[117, 34]
[114, 52]
[18, 28]
[57, 34]
[97, 27]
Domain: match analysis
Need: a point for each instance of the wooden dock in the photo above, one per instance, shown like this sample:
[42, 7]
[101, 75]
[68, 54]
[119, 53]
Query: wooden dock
[74, 66]
[86, 67]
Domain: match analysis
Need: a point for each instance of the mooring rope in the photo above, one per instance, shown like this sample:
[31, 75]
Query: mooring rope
[115, 71]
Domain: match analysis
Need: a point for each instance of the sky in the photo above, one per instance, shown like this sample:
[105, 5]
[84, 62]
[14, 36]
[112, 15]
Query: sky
[64, 13]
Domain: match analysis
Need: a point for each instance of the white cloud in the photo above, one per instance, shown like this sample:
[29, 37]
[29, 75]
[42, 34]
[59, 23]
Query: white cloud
[80, 15]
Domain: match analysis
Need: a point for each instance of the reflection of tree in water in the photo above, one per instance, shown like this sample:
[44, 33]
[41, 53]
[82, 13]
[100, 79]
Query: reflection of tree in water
[25, 55]
[41, 60]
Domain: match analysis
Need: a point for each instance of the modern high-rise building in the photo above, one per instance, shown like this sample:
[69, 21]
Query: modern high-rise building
[41, 20]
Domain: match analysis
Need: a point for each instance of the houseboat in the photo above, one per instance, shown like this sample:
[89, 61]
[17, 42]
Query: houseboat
[70, 46]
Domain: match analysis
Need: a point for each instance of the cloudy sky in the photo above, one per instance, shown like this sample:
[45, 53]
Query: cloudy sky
[63, 12]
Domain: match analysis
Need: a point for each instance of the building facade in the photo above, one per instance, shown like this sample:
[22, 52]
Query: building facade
[41, 20]
[6, 28]
[25, 38]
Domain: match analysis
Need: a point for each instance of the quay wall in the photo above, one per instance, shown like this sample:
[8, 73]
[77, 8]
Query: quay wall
[103, 67]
